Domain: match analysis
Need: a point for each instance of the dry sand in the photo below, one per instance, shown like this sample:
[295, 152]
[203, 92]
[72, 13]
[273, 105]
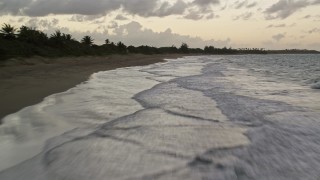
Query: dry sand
[26, 82]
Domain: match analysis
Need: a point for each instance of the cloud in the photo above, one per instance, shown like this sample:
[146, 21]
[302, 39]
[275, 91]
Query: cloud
[133, 33]
[81, 7]
[316, 2]
[276, 25]
[137, 35]
[120, 17]
[279, 37]
[205, 2]
[284, 8]
[239, 4]
[83, 18]
[194, 15]
[314, 18]
[307, 17]
[244, 16]
[113, 25]
[212, 16]
[166, 9]
[314, 30]
[42, 23]
[143, 8]
[253, 4]
[14, 6]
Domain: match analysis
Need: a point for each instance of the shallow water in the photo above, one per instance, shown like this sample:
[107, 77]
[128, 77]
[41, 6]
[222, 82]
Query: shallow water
[204, 117]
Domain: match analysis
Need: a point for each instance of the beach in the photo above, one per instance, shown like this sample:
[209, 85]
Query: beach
[26, 82]
[195, 117]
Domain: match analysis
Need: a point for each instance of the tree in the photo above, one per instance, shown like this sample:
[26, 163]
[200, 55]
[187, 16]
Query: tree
[8, 31]
[68, 37]
[209, 49]
[107, 41]
[31, 35]
[184, 48]
[57, 39]
[87, 40]
[56, 35]
[121, 47]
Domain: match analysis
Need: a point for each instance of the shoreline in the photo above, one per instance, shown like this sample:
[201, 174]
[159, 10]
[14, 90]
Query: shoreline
[28, 81]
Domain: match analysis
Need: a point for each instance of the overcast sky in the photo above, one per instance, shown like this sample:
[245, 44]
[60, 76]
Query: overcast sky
[271, 24]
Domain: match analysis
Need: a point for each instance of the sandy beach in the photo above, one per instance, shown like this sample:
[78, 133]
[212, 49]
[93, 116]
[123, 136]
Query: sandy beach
[26, 82]
[195, 117]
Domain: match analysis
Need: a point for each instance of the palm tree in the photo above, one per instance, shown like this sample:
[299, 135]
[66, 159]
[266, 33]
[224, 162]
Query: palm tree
[56, 35]
[8, 31]
[31, 35]
[87, 40]
[68, 37]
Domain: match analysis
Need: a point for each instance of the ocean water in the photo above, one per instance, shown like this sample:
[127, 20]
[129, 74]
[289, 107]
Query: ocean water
[197, 117]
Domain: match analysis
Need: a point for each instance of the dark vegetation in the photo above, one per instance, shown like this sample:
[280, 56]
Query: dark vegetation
[28, 42]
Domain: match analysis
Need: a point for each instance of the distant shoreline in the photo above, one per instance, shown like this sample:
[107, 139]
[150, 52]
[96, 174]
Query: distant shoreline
[26, 82]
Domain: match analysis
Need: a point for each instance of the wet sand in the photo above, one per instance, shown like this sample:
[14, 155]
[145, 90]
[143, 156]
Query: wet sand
[26, 82]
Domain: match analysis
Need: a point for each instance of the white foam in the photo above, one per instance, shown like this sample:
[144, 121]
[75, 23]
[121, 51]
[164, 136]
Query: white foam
[104, 97]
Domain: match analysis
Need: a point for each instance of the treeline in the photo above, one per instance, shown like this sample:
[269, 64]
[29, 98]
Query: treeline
[26, 42]
[293, 51]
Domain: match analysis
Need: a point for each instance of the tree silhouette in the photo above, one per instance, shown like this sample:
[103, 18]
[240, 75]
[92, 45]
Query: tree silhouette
[31, 35]
[121, 47]
[57, 39]
[68, 37]
[184, 48]
[8, 31]
[107, 41]
[56, 35]
[209, 49]
[87, 40]
[30, 42]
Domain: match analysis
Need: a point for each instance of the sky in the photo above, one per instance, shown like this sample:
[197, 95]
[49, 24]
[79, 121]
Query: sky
[270, 24]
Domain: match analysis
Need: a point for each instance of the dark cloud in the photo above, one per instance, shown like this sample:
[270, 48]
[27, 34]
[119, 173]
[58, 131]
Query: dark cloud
[284, 8]
[82, 7]
[14, 7]
[120, 17]
[279, 37]
[166, 9]
[144, 8]
[205, 2]
[140, 7]
[316, 2]
[194, 15]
